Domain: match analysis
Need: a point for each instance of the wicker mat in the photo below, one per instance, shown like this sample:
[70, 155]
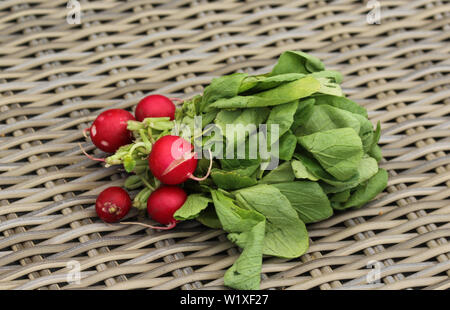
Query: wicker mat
[57, 75]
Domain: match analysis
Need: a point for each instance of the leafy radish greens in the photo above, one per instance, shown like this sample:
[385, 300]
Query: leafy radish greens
[328, 158]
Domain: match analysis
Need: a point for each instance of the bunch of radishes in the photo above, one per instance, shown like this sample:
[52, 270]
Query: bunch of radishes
[171, 160]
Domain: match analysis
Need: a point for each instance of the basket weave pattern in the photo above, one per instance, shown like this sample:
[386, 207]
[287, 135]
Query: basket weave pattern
[55, 77]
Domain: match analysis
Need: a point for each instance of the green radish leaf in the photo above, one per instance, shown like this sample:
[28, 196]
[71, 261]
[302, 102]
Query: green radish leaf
[331, 184]
[247, 230]
[333, 76]
[340, 103]
[341, 196]
[250, 82]
[243, 167]
[233, 218]
[252, 85]
[297, 62]
[301, 172]
[239, 124]
[303, 113]
[286, 234]
[365, 132]
[308, 199]
[291, 91]
[231, 180]
[339, 151]
[194, 204]
[203, 166]
[367, 168]
[377, 133]
[328, 86]
[375, 150]
[225, 117]
[287, 145]
[209, 117]
[283, 116]
[325, 117]
[336, 205]
[244, 274]
[208, 217]
[285, 93]
[251, 116]
[283, 173]
[221, 87]
[366, 191]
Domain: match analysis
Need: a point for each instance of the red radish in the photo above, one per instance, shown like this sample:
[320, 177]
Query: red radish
[109, 130]
[162, 204]
[112, 204]
[155, 106]
[172, 160]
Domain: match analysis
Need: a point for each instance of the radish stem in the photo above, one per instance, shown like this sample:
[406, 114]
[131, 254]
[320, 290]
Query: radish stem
[146, 183]
[90, 156]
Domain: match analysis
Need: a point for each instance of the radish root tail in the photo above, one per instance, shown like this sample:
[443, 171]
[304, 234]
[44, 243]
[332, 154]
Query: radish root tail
[178, 100]
[168, 227]
[84, 132]
[209, 170]
[90, 156]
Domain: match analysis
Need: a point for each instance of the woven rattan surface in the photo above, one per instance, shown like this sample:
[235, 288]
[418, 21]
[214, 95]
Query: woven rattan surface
[56, 76]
